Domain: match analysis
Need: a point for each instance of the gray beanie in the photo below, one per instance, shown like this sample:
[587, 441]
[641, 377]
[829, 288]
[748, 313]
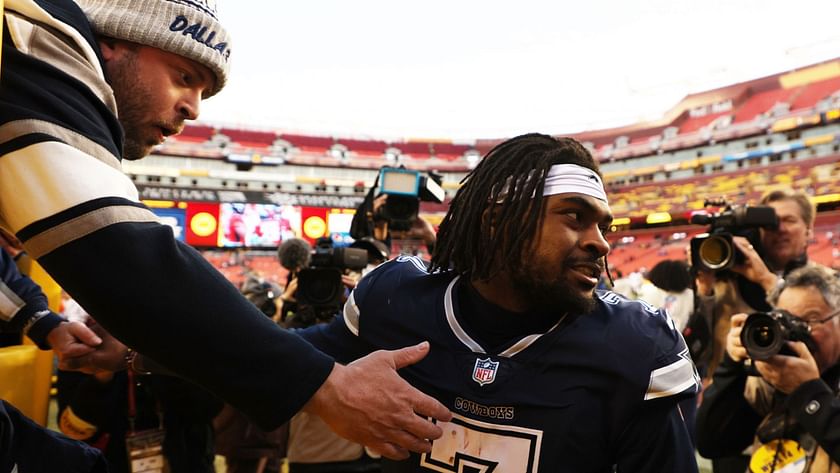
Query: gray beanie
[188, 28]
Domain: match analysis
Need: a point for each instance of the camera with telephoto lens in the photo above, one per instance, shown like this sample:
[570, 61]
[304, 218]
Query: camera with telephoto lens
[319, 285]
[405, 189]
[765, 334]
[715, 249]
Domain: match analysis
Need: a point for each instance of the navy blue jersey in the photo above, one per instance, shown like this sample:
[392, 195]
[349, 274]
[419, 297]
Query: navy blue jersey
[597, 391]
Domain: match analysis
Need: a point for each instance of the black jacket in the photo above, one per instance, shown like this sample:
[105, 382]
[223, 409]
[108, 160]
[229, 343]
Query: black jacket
[727, 424]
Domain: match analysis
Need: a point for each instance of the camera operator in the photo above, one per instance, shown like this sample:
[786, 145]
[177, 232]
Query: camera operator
[779, 251]
[420, 230]
[796, 397]
[319, 280]
[294, 255]
[390, 210]
[309, 300]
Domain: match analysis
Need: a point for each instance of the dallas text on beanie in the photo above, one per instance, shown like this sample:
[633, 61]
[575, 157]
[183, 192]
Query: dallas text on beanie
[197, 31]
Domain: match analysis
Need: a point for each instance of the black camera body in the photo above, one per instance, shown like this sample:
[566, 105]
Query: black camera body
[715, 250]
[405, 189]
[765, 334]
[319, 285]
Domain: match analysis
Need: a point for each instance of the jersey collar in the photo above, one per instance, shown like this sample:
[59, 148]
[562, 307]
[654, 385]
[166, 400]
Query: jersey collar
[474, 346]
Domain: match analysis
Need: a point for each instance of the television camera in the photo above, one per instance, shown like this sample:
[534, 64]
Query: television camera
[715, 250]
[319, 285]
[405, 189]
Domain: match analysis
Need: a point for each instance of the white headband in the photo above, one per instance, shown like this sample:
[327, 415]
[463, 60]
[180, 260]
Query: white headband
[566, 178]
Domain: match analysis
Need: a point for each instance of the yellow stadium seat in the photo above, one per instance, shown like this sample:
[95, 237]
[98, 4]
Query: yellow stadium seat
[41, 367]
[18, 375]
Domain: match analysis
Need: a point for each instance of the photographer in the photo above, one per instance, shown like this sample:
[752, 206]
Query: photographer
[310, 298]
[796, 396]
[772, 255]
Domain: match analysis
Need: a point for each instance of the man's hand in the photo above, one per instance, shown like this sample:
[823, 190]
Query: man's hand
[367, 402]
[349, 281]
[753, 267]
[289, 291]
[734, 347]
[786, 373]
[108, 356]
[72, 339]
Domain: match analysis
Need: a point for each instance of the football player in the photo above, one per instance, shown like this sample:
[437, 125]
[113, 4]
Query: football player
[542, 372]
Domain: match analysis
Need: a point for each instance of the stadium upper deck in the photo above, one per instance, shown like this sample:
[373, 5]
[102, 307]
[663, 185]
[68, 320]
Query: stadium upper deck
[735, 142]
[778, 103]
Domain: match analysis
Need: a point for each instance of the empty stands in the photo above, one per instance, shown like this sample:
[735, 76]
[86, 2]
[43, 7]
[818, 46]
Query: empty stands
[762, 103]
[258, 140]
[814, 93]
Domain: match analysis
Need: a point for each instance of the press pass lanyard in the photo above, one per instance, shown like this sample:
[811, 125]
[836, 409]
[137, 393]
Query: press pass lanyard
[132, 402]
[144, 448]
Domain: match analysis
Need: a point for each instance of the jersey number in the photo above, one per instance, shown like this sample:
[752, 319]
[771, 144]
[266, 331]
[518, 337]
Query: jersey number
[470, 446]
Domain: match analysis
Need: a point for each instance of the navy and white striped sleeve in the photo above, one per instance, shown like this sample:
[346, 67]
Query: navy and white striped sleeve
[672, 372]
[23, 306]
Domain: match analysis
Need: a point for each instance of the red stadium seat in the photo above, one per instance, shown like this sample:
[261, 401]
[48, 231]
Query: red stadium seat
[762, 102]
[815, 92]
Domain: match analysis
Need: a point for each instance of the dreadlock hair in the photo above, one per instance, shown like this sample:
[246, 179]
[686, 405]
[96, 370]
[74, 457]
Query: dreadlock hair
[495, 215]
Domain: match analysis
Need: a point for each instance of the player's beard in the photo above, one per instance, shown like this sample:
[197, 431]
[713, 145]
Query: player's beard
[134, 99]
[553, 290]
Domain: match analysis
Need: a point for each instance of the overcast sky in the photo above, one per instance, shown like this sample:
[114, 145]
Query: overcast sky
[491, 68]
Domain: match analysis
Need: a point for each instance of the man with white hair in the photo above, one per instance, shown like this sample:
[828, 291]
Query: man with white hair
[788, 419]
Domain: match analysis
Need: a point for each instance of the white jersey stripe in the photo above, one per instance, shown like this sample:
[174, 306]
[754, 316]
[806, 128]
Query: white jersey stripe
[672, 379]
[528, 341]
[10, 303]
[351, 315]
[453, 322]
[474, 346]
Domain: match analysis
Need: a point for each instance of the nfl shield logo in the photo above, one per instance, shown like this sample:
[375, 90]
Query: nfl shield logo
[485, 371]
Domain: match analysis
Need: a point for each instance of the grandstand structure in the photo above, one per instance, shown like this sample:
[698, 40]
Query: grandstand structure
[734, 143]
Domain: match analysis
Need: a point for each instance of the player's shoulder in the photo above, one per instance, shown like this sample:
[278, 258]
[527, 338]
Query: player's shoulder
[407, 264]
[392, 292]
[636, 330]
[637, 315]
[636, 321]
[391, 277]
[399, 267]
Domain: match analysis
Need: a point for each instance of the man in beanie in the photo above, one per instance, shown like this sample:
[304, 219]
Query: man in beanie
[83, 86]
